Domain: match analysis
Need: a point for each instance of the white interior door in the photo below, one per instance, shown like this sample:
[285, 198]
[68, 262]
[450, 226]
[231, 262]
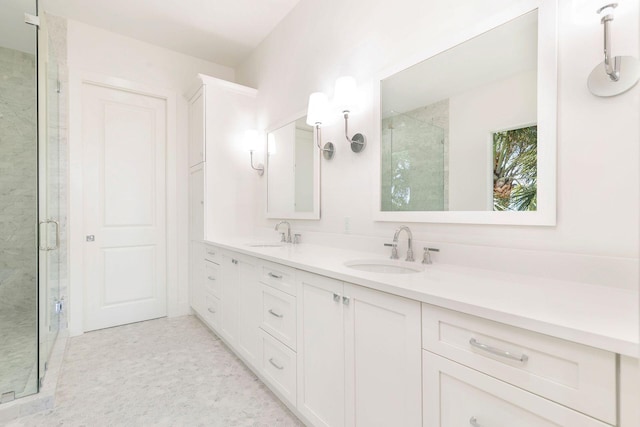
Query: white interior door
[124, 142]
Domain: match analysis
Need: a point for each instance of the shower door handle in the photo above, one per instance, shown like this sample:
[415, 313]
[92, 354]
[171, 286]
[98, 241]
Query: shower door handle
[48, 248]
[57, 224]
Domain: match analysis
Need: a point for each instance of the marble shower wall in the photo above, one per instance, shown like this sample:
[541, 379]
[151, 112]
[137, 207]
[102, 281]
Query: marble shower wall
[18, 218]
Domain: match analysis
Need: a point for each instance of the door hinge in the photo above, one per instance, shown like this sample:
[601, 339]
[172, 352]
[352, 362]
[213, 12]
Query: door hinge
[59, 306]
[32, 19]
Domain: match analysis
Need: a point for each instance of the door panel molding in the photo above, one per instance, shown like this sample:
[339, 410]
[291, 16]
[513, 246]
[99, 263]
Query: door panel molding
[177, 303]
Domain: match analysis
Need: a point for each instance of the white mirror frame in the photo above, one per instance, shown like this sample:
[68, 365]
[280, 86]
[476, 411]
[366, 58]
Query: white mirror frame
[313, 215]
[547, 123]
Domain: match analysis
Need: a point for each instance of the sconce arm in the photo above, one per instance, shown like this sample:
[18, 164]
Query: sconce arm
[259, 167]
[611, 65]
[328, 149]
[346, 131]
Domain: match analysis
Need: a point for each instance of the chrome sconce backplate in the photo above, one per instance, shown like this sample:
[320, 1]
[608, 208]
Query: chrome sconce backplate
[615, 75]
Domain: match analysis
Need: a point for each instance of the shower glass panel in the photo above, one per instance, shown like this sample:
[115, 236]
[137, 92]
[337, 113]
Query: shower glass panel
[413, 164]
[18, 202]
[50, 179]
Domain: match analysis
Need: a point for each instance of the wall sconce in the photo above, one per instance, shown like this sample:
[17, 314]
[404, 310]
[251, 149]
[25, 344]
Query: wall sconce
[316, 114]
[345, 98]
[617, 74]
[252, 141]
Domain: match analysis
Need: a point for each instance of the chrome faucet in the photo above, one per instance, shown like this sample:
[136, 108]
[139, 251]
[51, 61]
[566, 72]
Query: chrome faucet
[394, 250]
[288, 238]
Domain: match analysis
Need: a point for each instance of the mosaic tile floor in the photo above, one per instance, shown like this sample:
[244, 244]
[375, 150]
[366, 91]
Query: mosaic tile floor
[165, 372]
[18, 333]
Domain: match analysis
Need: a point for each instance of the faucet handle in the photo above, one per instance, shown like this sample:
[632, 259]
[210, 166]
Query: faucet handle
[394, 249]
[282, 237]
[426, 258]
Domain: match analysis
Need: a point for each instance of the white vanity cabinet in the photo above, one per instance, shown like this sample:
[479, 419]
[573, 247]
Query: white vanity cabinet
[359, 356]
[205, 282]
[456, 396]
[515, 375]
[240, 297]
[343, 355]
[278, 325]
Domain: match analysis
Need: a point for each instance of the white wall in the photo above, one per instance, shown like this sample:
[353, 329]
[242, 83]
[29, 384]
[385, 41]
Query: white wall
[473, 116]
[598, 150]
[95, 50]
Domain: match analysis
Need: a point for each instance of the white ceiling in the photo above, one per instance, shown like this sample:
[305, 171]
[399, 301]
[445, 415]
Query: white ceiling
[221, 31]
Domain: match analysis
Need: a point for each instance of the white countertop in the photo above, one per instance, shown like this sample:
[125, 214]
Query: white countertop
[598, 316]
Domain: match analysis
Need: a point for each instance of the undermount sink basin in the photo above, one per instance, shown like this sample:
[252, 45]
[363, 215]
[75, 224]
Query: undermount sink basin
[387, 266]
[265, 245]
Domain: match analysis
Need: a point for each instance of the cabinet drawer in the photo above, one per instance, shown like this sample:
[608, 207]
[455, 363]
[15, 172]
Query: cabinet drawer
[279, 315]
[575, 375]
[456, 396]
[278, 276]
[279, 366]
[213, 254]
[212, 278]
[210, 310]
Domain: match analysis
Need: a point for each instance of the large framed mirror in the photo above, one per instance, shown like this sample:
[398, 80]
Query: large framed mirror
[468, 132]
[293, 171]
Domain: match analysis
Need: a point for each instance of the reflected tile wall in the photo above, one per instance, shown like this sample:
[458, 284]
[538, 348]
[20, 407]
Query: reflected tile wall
[420, 139]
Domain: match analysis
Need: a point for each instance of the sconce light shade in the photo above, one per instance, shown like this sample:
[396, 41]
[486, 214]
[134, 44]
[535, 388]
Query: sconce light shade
[317, 109]
[345, 94]
[251, 140]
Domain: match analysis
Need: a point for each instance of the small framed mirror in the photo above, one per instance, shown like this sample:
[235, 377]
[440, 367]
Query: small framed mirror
[468, 133]
[293, 171]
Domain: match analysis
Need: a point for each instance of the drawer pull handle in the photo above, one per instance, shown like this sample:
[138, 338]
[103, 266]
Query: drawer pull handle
[275, 364]
[278, 315]
[336, 297]
[211, 253]
[503, 353]
[275, 276]
[211, 278]
[211, 310]
[474, 422]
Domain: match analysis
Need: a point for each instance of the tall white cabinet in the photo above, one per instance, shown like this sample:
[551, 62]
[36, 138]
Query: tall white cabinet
[219, 114]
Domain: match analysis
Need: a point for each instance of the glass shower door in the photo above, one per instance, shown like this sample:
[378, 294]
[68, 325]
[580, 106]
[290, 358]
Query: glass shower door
[50, 183]
[18, 202]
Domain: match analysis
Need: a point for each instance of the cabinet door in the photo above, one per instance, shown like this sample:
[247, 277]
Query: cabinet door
[455, 395]
[383, 359]
[196, 272]
[320, 347]
[196, 203]
[249, 310]
[229, 298]
[197, 128]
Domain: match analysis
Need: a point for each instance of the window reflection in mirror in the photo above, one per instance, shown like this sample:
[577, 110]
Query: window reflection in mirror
[458, 130]
[292, 169]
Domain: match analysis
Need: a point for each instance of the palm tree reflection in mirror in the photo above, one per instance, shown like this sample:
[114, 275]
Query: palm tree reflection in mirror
[515, 171]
